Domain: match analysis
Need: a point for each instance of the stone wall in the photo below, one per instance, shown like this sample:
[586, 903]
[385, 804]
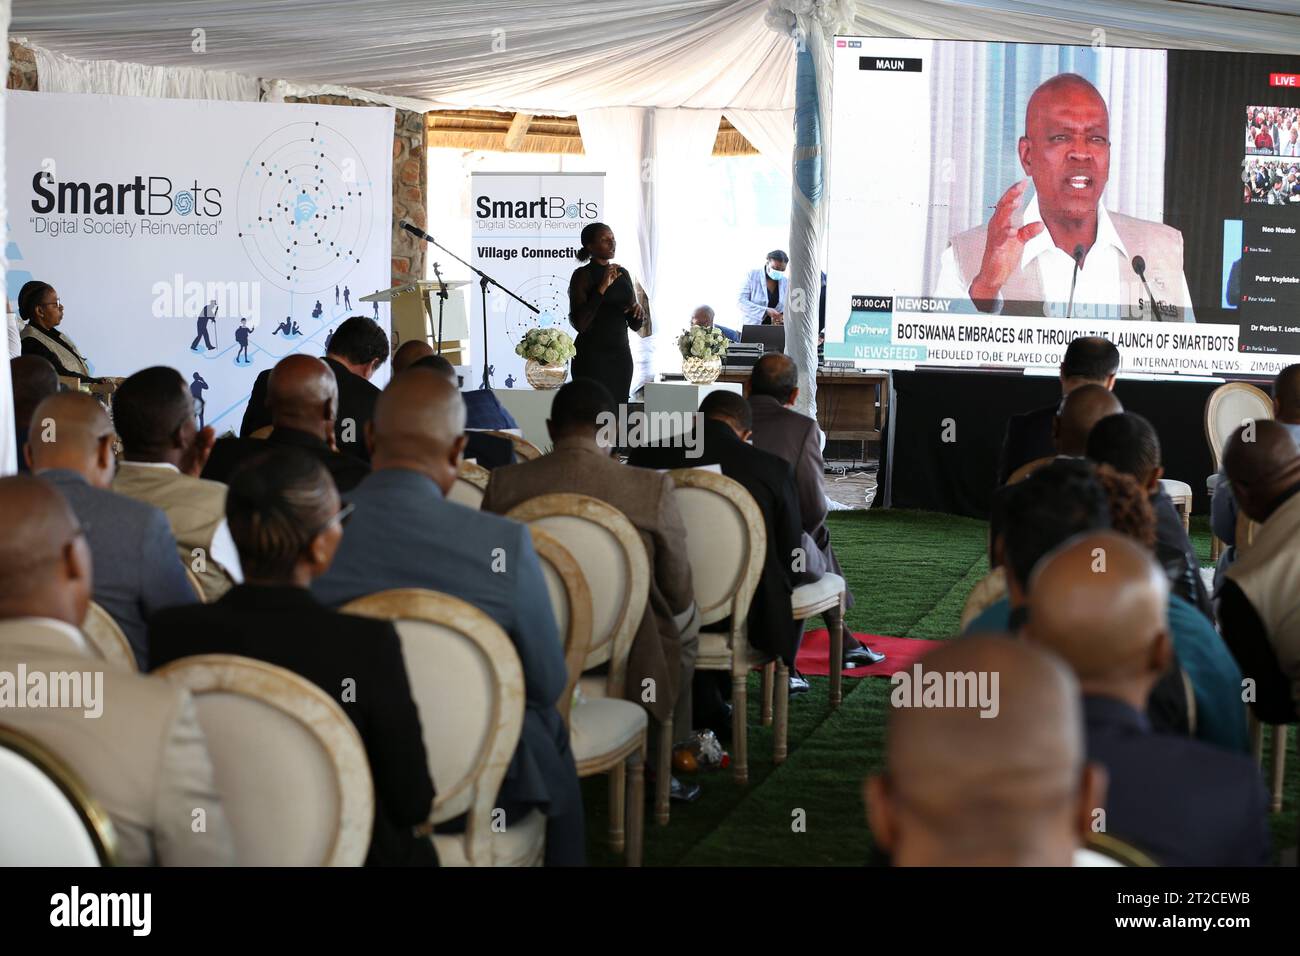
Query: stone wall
[409, 172]
[22, 68]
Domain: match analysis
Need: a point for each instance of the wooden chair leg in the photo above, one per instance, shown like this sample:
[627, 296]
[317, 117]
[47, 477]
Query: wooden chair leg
[636, 806]
[836, 627]
[769, 670]
[740, 726]
[1279, 764]
[617, 806]
[664, 772]
[780, 740]
[1216, 548]
[1256, 737]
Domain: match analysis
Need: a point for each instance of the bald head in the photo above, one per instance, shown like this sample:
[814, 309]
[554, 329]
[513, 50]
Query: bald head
[408, 353]
[419, 424]
[1263, 464]
[1080, 411]
[1006, 790]
[70, 430]
[775, 376]
[1099, 602]
[1286, 395]
[302, 393]
[44, 563]
[34, 379]
[1066, 151]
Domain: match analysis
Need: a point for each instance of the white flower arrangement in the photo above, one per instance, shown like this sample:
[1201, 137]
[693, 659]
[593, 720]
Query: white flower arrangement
[548, 346]
[700, 343]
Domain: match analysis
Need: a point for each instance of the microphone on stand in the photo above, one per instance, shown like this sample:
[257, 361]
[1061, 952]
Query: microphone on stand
[1140, 267]
[1077, 255]
[413, 230]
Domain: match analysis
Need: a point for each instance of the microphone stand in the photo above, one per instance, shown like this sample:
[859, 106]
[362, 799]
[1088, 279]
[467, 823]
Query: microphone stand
[442, 299]
[1074, 277]
[484, 280]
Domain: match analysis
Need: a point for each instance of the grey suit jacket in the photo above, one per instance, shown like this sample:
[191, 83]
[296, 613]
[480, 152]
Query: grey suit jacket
[136, 567]
[405, 534]
[646, 499]
[144, 759]
[796, 438]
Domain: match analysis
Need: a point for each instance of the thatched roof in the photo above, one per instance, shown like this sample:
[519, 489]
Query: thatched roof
[493, 131]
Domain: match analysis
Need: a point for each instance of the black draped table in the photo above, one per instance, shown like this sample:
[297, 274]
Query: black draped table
[945, 433]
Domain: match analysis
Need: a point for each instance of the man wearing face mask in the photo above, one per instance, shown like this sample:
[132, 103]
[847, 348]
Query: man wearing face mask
[763, 296]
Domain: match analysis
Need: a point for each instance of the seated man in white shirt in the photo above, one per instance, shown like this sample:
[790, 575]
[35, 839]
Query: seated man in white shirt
[163, 452]
[1028, 268]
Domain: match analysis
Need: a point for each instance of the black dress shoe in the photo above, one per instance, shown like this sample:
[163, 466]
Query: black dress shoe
[798, 683]
[861, 656]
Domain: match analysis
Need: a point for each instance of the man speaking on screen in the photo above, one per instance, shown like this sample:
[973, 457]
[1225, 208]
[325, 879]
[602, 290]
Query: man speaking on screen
[1068, 257]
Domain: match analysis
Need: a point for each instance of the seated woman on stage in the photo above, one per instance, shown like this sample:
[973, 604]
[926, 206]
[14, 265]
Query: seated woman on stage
[39, 304]
[604, 302]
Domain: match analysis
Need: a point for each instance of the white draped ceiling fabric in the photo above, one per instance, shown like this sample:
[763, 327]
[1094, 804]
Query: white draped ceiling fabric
[580, 56]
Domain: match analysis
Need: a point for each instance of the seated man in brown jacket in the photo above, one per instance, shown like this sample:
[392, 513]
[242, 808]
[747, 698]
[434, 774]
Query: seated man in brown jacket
[666, 643]
[772, 389]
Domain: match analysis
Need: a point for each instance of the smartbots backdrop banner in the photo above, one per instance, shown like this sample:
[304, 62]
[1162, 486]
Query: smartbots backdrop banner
[213, 237]
[524, 233]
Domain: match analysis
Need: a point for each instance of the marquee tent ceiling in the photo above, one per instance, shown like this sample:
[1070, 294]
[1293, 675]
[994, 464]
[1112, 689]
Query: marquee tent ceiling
[563, 56]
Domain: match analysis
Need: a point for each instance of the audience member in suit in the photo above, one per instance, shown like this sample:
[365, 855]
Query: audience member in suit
[667, 639]
[1199, 651]
[302, 394]
[1182, 801]
[358, 349]
[1040, 513]
[1259, 601]
[143, 756]
[1080, 412]
[1089, 360]
[33, 380]
[1223, 504]
[406, 534]
[772, 389]
[163, 453]
[958, 789]
[724, 441]
[483, 410]
[1129, 444]
[287, 521]
[137, 571]
[490, 451]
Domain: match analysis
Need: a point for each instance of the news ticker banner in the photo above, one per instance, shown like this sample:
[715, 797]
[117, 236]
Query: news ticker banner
[525, 233]
[142, 213]
[906, 331]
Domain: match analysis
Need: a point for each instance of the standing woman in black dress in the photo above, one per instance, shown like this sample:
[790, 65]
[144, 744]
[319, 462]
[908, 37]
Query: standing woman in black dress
[604, 302]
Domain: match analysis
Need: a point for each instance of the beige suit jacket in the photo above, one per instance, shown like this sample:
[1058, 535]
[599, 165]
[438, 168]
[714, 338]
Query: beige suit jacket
[144, 758]
[579, 467]
[195, 508]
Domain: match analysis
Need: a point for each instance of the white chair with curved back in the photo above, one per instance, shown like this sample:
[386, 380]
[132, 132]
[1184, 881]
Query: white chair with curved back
[289, 764]
[471, 482]
[726, 542]
[524, 449]
[468, 687]
[571, 603]
[608, 733]
[47, 816]
[106, 639]
[1228, 407]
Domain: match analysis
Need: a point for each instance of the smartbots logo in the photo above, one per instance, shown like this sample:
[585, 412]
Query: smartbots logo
[544, 207]
[142, 196]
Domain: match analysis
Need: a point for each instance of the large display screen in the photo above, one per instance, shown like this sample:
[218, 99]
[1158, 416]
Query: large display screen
[989, 202]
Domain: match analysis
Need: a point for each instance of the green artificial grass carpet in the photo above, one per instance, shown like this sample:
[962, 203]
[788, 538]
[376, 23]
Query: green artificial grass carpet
[910, 573]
